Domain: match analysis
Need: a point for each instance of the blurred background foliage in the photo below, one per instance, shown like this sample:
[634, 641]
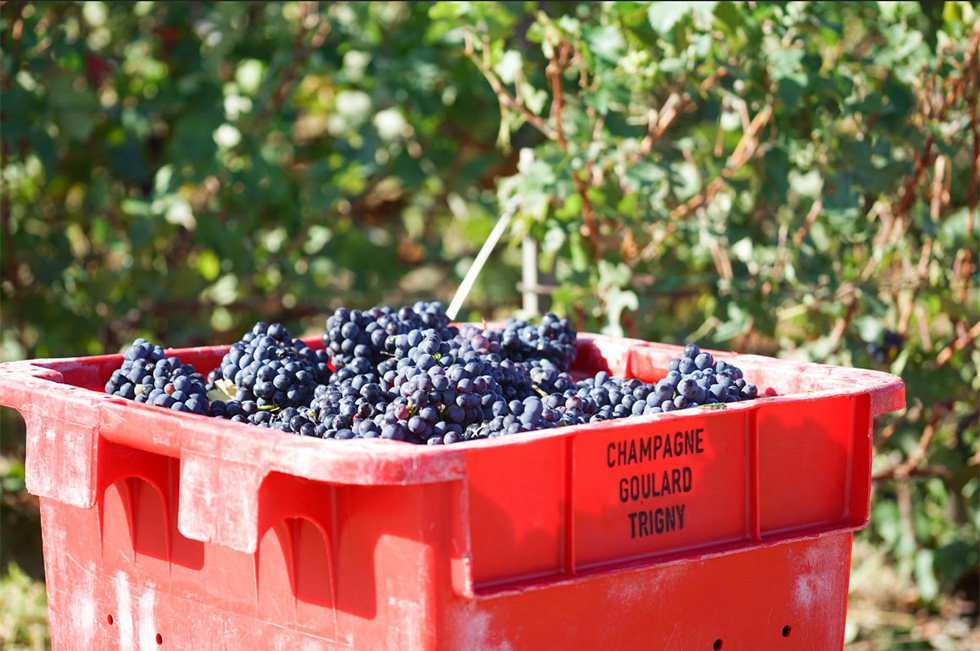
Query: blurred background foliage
[793, 179]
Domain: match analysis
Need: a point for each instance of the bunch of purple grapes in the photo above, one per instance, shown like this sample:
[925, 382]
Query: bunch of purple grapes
[408, 375]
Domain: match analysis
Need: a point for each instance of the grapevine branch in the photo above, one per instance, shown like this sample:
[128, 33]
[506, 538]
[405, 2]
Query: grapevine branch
[811, 217]
[673, 107]
[919, 276]
[933, 102]
[883, 212]
[554, 71]
[841, 326]
[975, 130]
[972, 71]
[908, 192]
[928, 471]
[904, 498]
[502, 93]
[958, 344]
[745, 150]
[903, 470]
[909, 467]
[808, 222]
[889, 430]
[556, 68]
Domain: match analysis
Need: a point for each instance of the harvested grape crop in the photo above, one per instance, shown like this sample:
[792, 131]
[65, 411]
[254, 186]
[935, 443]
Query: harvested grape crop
[408, 375]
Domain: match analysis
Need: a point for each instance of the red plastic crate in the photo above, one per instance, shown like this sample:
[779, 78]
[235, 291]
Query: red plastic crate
[695, 529]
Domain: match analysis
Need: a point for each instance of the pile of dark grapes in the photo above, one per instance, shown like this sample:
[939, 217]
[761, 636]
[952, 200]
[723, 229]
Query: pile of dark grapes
[553, 340]
[352, 333]
[148, 375]
[408, 375]
[266, 372]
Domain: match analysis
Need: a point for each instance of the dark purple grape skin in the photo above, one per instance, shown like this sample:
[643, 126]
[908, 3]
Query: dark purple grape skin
[408, 375]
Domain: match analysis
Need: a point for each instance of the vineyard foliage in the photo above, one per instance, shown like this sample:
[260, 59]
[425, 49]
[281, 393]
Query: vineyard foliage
[793, 179]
